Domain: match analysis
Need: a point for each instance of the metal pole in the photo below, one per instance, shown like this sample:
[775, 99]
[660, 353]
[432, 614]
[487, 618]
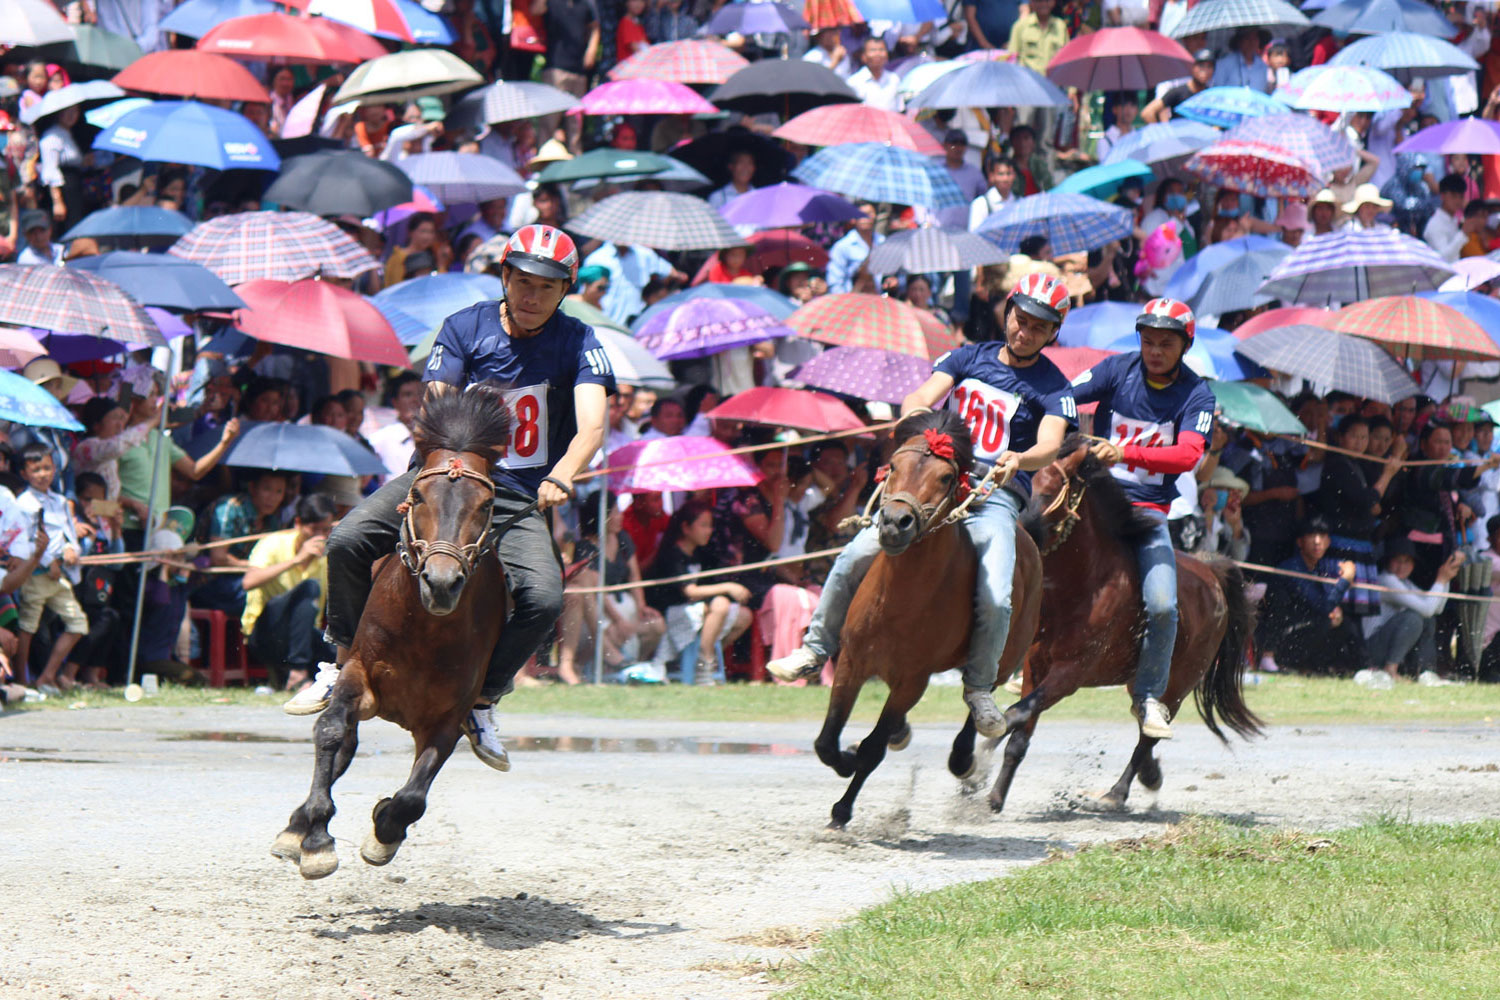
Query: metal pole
[151, 497]
[599, 597]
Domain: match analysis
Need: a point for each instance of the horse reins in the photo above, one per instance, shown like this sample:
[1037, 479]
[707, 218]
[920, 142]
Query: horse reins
[468, 556]
[1068, 502]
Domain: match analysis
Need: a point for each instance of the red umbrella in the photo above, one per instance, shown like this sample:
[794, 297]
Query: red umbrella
[1410, 327]
[1119, 59]
[190, 73]
[835, 124]
[1257, 168]
[831, 13]
[282, 37]
[779, 247]
[688, 61]
[799, 409]
[858, 319]
[1272, 319]
[319, 316]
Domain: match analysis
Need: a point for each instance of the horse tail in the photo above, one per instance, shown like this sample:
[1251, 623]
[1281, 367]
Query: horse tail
[1220, 694]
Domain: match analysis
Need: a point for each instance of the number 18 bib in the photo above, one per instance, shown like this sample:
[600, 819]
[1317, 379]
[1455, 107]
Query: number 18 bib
[528, 436]
[988, 412]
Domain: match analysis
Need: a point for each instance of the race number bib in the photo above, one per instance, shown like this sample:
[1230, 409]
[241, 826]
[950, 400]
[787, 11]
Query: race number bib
[528, 436]
[988, 412]
[1125, 431]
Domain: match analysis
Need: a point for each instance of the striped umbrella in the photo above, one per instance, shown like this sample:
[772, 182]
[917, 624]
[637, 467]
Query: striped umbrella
[1332, 360]
[462, 178]
[991, 84]
[512, 100]
[688, 61]
[837, 124]
[1343, 89]
[919, 251]
[1227, 107]
[1419, 329]
[1406, 55]
[1119, 59]
[374, 17]
[282, 245]
[1352, 265]
[1302, 135]
[881, 173]
[1223, 16]
[71, 300]
[857, 319]
[641, 96]
[1163, 143]
[1374, 17]
[661, 220]
[865, 373]
[1072, 223]
[1256, 168]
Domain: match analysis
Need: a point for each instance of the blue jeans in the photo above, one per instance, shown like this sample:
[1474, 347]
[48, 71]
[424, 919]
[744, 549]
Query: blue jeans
[992, 529]
[1158, 563]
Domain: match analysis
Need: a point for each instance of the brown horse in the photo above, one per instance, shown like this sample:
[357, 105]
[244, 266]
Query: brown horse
[424, 641]
[912, 614]
[1090, 632]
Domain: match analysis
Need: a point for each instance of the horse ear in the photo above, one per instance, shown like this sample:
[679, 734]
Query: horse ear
[1072, 462]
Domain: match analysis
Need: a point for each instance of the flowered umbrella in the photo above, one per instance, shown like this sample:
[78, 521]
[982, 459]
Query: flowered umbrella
[32, 22]
[1119, 59]
[1224, 277]
[1247, 405]
[1416, 328]
[643, 97]
[1227, 107]
[340, 182]
[879, 172]
[787, 204]
[785, 87]
[1470, 273]
[1462, 135]
[755, 19]
[162, 280]
[72, 301]
[432, 298]
[1373, 17]
[865, 373]
[1406, 56]
[462, 178]
[406, 75]
[280, 245]
[1332, 360]
[688, 61]
[934, 249]
[25, 403]
[1352, 265]
[374, 17]
[190, 73]
[1302, 135]
[1343, 89]
[190, 132]
[988, 85]
[319, 316]
[1163, 143]
[699, 328]
[799, 409]
[1255, 168]
[661, 220]
[777, 305]
[1071, 222]
[682, 464]
[837, 124]
[857, 319]
[1104, 179]
[312, 41]
[512, 100]
[1224, 16]
[1273, 319]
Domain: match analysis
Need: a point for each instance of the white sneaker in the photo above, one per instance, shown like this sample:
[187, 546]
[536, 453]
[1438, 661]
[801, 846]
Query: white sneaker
[800, 663]
[314, 698]
[1154, 723]
[484, 736]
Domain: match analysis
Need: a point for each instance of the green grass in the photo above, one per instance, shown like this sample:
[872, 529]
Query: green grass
[1386, 910]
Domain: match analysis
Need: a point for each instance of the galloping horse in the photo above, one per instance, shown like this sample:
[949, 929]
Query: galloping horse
[424, 640]
[1090, 631]
[912, 614]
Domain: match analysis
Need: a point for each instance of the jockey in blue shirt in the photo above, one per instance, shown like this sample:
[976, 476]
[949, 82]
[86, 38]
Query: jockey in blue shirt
[1158, 416]
[559, 381]
[1018, 407]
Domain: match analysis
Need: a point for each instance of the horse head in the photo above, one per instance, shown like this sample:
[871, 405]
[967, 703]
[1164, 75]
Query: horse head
[1058, 493]
[927, 476]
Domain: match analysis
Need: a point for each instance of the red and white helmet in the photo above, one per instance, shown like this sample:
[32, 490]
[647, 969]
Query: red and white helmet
[543, 251]
[1168, 314]
[1042, 296]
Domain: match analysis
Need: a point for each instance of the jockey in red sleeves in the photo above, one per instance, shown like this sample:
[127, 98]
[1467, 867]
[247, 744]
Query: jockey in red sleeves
[1158, 416]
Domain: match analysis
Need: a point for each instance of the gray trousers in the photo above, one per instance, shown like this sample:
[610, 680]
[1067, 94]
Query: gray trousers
[1401, 635]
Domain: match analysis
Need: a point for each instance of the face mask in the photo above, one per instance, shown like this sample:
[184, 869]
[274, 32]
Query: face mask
[1414, 175]
[1176, 202]
[1230, 213]
[1221, 499]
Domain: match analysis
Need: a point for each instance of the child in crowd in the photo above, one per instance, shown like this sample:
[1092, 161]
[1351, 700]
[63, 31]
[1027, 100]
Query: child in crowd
[98, 522]
[50, 586]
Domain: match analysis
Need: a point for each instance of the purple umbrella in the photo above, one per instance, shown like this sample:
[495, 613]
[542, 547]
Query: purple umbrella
[1464, 135]
[865, 373]
[700, 327]
[787, 205]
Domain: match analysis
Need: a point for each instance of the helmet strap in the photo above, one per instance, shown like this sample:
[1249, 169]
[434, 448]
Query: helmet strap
[513, 325]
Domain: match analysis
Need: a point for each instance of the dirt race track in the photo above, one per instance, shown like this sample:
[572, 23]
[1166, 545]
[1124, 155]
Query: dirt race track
[618, 859]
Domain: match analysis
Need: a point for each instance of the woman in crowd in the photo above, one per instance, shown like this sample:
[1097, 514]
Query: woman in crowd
[1350, 498]
[634, 626]
[109, 437]
[698, 615]
[423, 253]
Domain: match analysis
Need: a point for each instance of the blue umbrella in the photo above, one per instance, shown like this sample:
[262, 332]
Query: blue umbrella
[1098, 325]
[1226, 107]
[1213, 353]
[140, 223]
[1103, 180]
[1405, 55]
[1482, 309]
[431, 299]
[189, 132]
[25, 403]
[777, 305]
[195, 17]
[1071, 222]
[162, 280]
[1374, 17]
[902, 11]
[1171, 140]
[878, 172]
[106, 115]
[991, 84]
[310, 448]
[1224, 277]
[409, 330]
[426, 27]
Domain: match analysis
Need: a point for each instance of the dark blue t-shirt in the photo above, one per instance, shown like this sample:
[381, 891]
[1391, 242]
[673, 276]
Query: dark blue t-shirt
[1002, 405]
[1131, 412]
[472, 346]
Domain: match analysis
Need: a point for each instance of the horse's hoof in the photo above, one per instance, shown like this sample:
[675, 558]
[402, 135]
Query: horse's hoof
[318, 864]
[969, 772]
[288, 846]
[1101, 803]
[900, 741]
[836, 825]
[1150, 778]
[373, 852]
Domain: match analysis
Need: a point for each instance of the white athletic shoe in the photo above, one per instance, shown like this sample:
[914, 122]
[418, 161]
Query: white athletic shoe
[484, 736]
[1154, 722]
[314, 698]
[800, 663]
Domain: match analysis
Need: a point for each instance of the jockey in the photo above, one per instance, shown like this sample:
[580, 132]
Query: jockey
[1160, 418]
[1018, 407]
[560, 381]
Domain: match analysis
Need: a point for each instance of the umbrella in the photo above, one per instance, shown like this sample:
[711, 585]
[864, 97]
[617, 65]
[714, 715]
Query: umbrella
[73, 95]
[1302, 135]
[1119, 59]
[92, 53]
[1462, 135]
[162, 280]
[189, 132]
[878, 172]
[32, 22]
[1223, 278]
[1373, 17]
[1352, 265]
[511, 100]
[919, 251]
[426, 27]
[1227, 15]
[319, 316]
[1272, 319]
[865, 373]
[1343, 89]
[780, 247]
[1255, 168]
[787, 204]
[643, 97]
[1332, 360]
[699, 328]
[710, 155]
[1074, 361]
[141, 224]
[374, 17]
[432, 298]
[991, 84]
[837, 124]
[310, 448]
[1227, 107]
[799, 409]
[1483, 310]
[1250, 406]
[1470, 273]
[190, 73]
[1071, 222]
[463, 178]
[1098, 325]
[72, 301]
[780, 86]
[1406, 56]
[401, 76]
[340, 183]
[409, 330]
[23, 402]
[902, 11]
[921, 75]
[1163, 143]
[280, 245]
[1103, 180]
[1418, 329]
[857, 319]
[777, 305]
[677, 176]
[755, 19]
[312, 41]
[661, 220]
[606, 162]
[195, 18]
[632, 363]
[831, 13]
[19, 347]
[106, 115]
[687, 61]
[679, 464]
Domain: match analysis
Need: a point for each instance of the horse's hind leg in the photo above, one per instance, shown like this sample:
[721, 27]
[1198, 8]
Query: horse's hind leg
[1142, 764]
[393, 815]
[335, 737]
[1015, 752]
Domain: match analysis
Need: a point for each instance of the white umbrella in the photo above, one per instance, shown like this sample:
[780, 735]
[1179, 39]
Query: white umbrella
[409, 74]
[66, 97]
[32, 22]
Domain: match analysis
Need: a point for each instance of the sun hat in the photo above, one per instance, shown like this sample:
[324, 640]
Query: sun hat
[1223, 479]
[1366, 194]
[49, 375]
[342, 490]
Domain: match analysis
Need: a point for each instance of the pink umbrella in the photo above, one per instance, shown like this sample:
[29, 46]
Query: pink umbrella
[678, 464]
[304, 114]
[18, 348]
[319, 316]
[834, 124]
[1470, 273]
[800, 409]
[643, 97]
[1118, 59]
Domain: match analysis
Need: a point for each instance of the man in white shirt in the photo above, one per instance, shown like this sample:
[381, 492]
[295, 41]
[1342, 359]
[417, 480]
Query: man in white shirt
[630, 268]
[1243, 67]
[828, 50]
[1000, 171]
[393, 442]
[873, 84]
[1126, 106]
[1405, 626]
[1444, 232]
[36, 230]
[741, 172]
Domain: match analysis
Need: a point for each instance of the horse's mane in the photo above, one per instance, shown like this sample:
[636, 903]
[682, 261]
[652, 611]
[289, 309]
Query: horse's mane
[475, 420]
[1122, 519]
[943, 422]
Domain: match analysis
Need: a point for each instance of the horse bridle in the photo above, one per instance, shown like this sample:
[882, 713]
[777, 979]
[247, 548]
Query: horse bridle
[1068, 502]
[468, 556]
[926, 513]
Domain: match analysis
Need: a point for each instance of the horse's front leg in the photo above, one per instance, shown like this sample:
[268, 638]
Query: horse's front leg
[871, 751]
[335, 738]
[841, 700]
[961, 757]
[392, 816]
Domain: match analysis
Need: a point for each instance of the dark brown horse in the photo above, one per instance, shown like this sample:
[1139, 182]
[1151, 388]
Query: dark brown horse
[912, 615]
[424, 640]
[1092, 619]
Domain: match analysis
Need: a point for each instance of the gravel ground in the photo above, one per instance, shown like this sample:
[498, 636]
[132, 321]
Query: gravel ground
[618, 859]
